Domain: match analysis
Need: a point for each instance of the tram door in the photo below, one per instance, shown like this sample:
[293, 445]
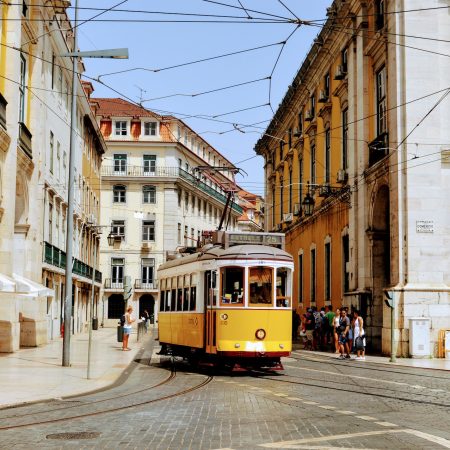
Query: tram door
[210, 312]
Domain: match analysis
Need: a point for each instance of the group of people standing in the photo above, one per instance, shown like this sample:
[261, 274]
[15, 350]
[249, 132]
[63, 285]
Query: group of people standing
[340, 330]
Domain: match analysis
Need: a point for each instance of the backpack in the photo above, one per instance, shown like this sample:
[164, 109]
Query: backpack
[122, 320]
[359, 343]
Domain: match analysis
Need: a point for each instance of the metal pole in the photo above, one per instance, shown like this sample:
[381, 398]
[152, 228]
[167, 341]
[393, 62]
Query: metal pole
[393, 349]
[91, 313]
[70, 206]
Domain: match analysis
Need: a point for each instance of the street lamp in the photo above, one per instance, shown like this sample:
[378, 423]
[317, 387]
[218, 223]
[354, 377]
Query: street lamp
[117, 53]
[308, 203]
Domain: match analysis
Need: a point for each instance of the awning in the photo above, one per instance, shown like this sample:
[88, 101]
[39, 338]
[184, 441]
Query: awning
[7, 284]
[30, 288]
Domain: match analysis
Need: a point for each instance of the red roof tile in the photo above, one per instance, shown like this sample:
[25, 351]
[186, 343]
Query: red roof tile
[118, 107]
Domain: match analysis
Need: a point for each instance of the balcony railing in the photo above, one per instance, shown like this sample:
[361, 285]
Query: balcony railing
[56, 257]
[113, 283]
[139, 171]
[25, 139]
[144, 284]
[3, 104]
[378, 148]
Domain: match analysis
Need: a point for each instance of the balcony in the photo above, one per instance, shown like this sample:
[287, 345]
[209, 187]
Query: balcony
[139, 171]
[56, 257]
[25, 139]
[378, 148]
[145, 285]
[3, 104]
[114, 283]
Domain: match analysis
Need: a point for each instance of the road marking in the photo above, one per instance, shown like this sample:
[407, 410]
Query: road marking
[294, 398]
[327, 407]
[366, 417]
[397, 383]
[347, 413]
[429, 437]
[279, 394]
[307, 402]
[386, 424]
[336, 437]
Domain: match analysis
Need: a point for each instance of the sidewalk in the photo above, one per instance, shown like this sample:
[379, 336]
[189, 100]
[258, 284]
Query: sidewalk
[429, 363]
[36, 373]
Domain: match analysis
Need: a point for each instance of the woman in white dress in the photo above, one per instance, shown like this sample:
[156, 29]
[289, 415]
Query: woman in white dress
[359, 336]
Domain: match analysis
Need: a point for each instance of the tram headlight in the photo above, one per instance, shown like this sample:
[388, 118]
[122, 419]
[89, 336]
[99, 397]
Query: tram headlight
[260, 334]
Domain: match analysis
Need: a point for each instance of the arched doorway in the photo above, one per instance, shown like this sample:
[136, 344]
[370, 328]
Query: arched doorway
[146, 302]
[379, 234]
[116, 306]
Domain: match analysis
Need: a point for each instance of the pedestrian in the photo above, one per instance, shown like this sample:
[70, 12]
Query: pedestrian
[359, 336]
[295, 324]
[146, 319]
[336, 329]
[344, 326]
[329, 314]
[350, 331]
[129, 319]
[310, 325]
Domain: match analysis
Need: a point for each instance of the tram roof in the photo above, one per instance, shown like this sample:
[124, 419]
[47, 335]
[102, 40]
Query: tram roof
[235, 252]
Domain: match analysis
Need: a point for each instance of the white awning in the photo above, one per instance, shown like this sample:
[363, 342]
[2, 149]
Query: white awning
[7, 284]
[30, 288]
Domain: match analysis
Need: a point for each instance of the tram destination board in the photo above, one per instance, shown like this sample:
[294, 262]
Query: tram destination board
[272, 239]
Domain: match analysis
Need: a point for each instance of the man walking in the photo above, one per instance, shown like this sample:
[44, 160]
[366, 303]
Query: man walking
[344, 327]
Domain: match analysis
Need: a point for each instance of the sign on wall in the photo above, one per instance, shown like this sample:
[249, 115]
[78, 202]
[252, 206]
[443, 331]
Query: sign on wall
[424, 226]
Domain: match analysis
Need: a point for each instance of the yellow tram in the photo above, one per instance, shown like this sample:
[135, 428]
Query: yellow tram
[229, 304]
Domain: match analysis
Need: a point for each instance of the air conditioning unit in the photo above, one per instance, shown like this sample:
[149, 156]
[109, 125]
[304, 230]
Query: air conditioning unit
[323, 97]
[308, 116]
[287, 218]
[297, 209]
[297, 132]
[340, 73]
[324, 190]
[341, 176]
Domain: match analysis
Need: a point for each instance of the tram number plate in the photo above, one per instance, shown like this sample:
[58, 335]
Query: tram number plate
[193, 321]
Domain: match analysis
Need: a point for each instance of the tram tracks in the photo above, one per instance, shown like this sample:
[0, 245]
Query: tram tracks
[112, 409]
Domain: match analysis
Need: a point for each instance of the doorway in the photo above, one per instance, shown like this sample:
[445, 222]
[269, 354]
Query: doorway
[146, 302]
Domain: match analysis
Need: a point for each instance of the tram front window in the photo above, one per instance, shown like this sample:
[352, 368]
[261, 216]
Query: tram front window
[260, 286]
[283, 287]
[232, 285]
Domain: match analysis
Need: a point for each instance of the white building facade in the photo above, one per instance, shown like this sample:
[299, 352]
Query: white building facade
[153, 199]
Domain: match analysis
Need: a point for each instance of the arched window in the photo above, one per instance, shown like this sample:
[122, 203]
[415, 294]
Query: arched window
[119, 193]
[149, 194]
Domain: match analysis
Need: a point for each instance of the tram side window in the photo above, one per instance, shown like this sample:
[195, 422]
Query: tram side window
[193, 298]
[186, 299]
[162, 301]
[173, 304]
[260, 286]
[232, 285]
[283, 287]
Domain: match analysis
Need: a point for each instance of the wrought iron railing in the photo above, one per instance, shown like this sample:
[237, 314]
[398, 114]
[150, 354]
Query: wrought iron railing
[378, 148]
[113, 283]
[144, 284]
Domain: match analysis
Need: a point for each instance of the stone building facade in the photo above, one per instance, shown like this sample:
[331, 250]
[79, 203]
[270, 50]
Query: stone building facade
[153, 199]
[34, 140]
[364, 122]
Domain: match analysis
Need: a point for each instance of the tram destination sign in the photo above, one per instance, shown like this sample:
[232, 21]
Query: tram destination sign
[272, 239]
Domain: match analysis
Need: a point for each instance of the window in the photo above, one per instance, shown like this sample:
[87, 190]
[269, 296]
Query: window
[119, 193]
[117, 271]
[313, 105]
[52, 149]
[150, 128]
[147, 271]
[118, 228]
[179, 234]
[53, 70]
[281, 150]
[120, 164]
[50, 223]
[300, 181]
[346, 260]
[344, 59]
[23, 77]
[381, 101]
[379, 14]
[281, 199]
[313, 275]
[186, 235]
[148, 230]
[290, 190]
[313, 164]
[149, 164]
[121, 128]
[300, 122]
[149, 194]
[273, 206]
[260, 286]
[185, 138]
[58, 158]
[327, 271]
[300, 278]
[186, 293]
[326, 85]
[180, 294]
[327, 155]
[193, 296]
[186, 200]
[345, 139]
[289, 139]
[283, 287]
[232, 285]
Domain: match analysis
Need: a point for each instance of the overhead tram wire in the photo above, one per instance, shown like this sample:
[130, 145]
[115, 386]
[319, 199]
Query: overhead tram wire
[288, 9]
[246, 12]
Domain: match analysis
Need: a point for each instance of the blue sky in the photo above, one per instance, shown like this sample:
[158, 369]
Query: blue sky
[158, 45]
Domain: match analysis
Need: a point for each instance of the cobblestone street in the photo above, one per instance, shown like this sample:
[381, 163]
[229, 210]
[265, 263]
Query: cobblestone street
[317, 402]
